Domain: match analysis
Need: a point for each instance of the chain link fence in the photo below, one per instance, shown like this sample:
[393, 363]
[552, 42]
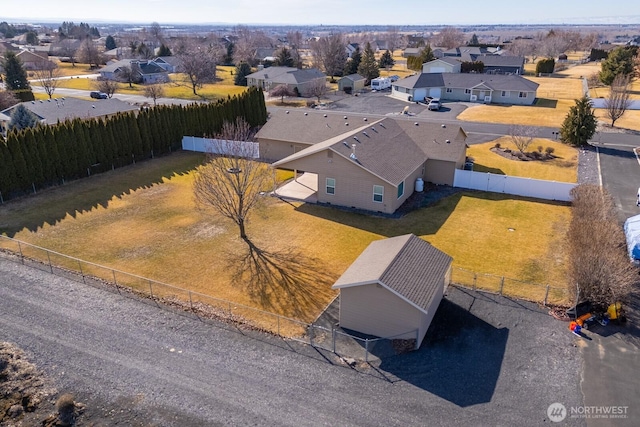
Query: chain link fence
[347, 344]
[544, 294]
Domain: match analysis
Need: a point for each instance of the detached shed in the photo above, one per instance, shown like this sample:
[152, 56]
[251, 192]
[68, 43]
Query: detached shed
[394, 288]
[354, 81]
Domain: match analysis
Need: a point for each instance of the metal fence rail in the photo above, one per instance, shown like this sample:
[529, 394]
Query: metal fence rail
[330, 338]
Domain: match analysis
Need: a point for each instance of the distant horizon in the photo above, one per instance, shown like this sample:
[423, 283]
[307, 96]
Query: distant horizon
[327, 13]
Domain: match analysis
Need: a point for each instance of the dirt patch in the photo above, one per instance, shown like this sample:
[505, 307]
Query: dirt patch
[23, 389]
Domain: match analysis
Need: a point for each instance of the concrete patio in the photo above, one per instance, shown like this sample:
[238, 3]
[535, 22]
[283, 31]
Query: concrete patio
[302, 188]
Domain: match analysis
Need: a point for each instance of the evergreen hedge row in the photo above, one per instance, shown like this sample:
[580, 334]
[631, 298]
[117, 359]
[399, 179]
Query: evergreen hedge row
[36, 158]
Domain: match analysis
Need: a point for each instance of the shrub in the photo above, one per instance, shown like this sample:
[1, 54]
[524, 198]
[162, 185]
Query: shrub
[539, 148]
[549, 151]
[66, 408]
[497, 145]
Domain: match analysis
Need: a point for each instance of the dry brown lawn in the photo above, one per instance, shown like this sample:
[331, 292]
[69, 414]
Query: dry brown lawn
[563, 167]
[142, 219]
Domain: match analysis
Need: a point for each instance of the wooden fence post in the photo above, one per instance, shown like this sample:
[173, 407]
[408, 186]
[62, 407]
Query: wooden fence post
[546, 295]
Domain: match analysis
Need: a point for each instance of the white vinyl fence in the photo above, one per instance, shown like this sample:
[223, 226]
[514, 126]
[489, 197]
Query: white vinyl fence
[218, 146]
[526, 187]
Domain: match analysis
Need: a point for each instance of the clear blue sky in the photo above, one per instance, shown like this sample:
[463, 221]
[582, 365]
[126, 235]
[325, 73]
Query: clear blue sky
[341, 12]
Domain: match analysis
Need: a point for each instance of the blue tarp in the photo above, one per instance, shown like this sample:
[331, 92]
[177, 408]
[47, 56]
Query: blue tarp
[632, 233]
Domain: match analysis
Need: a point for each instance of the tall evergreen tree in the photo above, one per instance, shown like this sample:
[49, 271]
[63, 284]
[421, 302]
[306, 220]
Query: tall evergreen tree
[15, 76]
[242, 71]
[618, 62]
[580, 123]
[164, 50]
[22, 118]
[386, 60]
[369, 66]
[284, 58]
[110, 43]
[353, 63]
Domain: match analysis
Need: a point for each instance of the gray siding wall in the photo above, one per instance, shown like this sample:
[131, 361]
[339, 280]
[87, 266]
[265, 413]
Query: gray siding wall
[425, 319]
[372, 309]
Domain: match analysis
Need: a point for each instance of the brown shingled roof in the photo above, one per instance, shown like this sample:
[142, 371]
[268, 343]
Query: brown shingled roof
[406, 265]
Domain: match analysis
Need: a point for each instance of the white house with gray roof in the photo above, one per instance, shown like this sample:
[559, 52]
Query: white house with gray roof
[145, 71]
[469, 87]
[393, 289]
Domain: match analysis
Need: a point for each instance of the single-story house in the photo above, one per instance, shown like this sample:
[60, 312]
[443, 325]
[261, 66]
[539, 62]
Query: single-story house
[486, 88]
[372, 165]
[393, 289]
[411, 51]
[498, 64]
[294, 78]
[353, 81]
[31, 60]
[146, 71]
[470, 50]
[171, 64]
[52, 111]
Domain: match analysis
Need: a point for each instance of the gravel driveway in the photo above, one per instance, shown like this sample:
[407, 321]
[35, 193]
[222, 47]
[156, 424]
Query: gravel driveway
[488, 360]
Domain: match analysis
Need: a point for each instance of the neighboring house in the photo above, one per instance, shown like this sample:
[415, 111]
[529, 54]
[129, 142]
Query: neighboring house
[146, 71]
[6, 46]
[353, 81]
[171, 64]
[498, 64]
[411, 51]
[371, 165]
[351, 48]
[487, 88]
[266, 54]
[116, 54]
[470, 50]
[442, 65]
[393, 289]
[52, 111]
[64, 47]
[32, 61]
[294, 78]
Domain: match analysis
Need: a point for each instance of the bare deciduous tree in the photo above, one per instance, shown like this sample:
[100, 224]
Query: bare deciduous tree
[449, 37]
[295, 44]
[155, 30]
[317, 88]
[49, 77]
[127, 74]
[232, 182]
[107, 86]
[67, 48]
[7, 99]
[394, 38]
[329, 54]
[281, 91]
[248, 42]
[89, 54]
[199, 64]
[154, 92]
[617, 102]
[522, 136]
[599, 266]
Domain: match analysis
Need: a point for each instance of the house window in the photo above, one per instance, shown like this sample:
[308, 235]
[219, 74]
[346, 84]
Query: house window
[331, 186]
[449, 90]
[522, 95]
[401, 189]
[505, 94]
[378, 193]
[467, 91]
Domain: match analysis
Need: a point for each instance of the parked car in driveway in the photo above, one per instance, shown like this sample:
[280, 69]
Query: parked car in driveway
[434, 104]
[98, 95]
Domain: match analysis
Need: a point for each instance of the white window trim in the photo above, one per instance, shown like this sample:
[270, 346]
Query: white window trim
[380, 194]
[505, 93]
[449, 90]
[467, 91]
[522, 95]
[327, 186]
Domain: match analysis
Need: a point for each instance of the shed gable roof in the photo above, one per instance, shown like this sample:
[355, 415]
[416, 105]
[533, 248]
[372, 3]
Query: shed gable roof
[406, 265]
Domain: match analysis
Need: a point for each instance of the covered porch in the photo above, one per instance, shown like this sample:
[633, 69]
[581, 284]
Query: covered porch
[303, 188]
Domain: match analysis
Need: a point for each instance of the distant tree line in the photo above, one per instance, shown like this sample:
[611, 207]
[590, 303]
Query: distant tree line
[36, 158]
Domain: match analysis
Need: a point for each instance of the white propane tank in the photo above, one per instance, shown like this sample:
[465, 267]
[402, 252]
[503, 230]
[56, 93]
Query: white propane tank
[419, 185]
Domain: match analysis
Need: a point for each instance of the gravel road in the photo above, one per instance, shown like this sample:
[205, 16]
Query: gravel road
[488, 361]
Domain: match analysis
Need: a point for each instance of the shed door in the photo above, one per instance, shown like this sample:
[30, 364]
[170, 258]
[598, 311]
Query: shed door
[438, 70]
